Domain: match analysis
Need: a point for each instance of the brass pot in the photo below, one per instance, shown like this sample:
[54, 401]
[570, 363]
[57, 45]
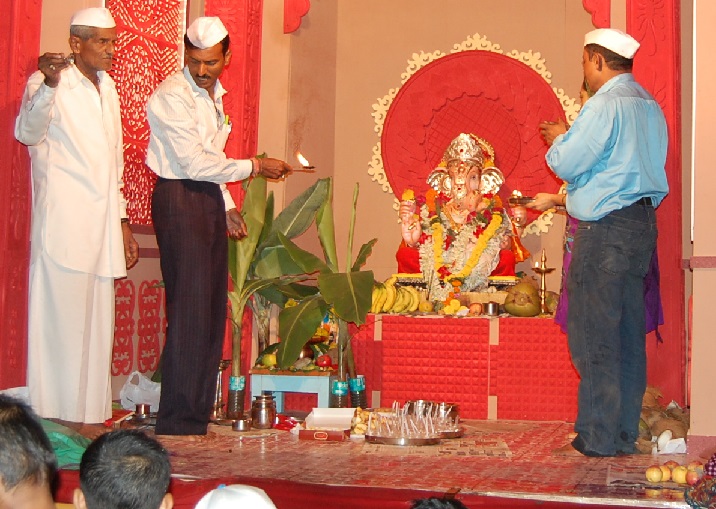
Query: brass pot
[306, 352]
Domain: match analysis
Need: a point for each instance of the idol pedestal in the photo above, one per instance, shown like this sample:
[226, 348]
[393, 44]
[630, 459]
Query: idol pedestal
[494, 368]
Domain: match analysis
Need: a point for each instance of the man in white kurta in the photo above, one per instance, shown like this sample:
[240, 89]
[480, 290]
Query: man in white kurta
[80, 239]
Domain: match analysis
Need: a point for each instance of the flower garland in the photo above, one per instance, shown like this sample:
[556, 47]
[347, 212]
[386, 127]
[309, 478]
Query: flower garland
[451, 243]
[440, 268]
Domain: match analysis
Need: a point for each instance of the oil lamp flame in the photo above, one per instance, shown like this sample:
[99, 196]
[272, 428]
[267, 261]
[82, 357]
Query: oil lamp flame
[304, 162]
[301, 159]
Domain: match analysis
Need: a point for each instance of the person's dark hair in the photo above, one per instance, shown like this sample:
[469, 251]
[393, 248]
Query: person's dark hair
[82, 31]
[437, 503]
[224, 44]
[26, 454]
[124, 468]
[613, 60]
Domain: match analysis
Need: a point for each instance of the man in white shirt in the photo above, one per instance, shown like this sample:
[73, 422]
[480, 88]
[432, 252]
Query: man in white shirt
[192, 211]
[81, 240]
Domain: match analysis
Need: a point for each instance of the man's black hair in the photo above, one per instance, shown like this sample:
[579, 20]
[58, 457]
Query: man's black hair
[124, 468]
[613, 60]
[26, 455]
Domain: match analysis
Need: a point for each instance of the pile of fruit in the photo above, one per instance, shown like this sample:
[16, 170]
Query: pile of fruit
[673, 471]
[394, 295]
[321, 356]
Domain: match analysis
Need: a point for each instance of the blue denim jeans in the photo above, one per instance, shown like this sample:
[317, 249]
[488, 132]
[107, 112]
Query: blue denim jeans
[606, 327]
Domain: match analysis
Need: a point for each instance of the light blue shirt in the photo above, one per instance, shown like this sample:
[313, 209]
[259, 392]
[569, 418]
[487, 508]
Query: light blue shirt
[614, 153]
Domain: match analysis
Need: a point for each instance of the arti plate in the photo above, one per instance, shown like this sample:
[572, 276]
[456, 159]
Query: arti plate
[519, 200]
[372, 439]
[454, 433]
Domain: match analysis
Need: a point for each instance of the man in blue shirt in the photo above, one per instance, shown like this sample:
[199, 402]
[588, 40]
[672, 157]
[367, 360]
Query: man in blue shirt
[612, 159]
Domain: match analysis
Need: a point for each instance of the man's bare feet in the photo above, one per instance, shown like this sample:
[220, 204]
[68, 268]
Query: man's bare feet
[567, 450]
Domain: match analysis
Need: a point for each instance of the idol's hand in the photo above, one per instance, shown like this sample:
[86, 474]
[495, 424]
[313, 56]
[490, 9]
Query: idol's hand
[410, 227]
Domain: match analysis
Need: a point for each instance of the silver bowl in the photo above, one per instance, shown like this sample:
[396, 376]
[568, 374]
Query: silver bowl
[241, 425]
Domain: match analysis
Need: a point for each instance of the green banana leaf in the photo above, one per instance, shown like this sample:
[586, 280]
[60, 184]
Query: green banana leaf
[365, 251]
[268, 218]
[241, 252]
[298, 215]
[280, 293]
[327, 231]
[297, 324]
[349, 293]
[276, 261]
[308, 262]
[261, 248]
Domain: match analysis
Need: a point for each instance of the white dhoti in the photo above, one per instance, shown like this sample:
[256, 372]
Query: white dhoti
[70, 338]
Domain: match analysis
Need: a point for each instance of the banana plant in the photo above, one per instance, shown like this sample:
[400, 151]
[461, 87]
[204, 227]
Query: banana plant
[258, 263]
[346, 294]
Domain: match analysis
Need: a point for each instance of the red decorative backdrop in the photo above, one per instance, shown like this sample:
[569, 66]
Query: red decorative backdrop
[123, 347]
[600, 11]
[151, 325]
[21, 42]
[497, 98]
[150, 36]
[656, 25]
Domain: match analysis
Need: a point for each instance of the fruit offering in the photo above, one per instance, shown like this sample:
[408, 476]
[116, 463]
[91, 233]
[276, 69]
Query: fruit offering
[673, 471]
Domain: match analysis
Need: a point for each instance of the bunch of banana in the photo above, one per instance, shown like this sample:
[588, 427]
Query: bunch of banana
[406, 301]
[391, 294]
[388, 298]
[378, 298]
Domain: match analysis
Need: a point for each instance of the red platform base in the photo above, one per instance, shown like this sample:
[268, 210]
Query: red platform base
[494, 368]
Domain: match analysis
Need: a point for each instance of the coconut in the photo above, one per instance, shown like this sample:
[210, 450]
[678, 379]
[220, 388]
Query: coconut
[677, 428]
[523, 300]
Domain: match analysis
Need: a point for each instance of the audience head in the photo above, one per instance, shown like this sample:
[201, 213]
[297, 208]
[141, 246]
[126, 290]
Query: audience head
[124, 468]
[27, 461]
[234, 496]
[437, 503]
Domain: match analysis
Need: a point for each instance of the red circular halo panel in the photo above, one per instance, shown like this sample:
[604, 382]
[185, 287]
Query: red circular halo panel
[490, 95]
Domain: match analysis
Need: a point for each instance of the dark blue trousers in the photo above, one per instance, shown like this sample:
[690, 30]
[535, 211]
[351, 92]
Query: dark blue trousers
[190, 224]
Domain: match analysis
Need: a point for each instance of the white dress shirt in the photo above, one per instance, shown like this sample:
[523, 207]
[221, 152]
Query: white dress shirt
[188, 133]
[74, 135]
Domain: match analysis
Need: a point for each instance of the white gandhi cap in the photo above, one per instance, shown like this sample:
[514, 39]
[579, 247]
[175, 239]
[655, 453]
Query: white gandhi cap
[98, 17]
[614, 40]
[236, 495]
[206, 32]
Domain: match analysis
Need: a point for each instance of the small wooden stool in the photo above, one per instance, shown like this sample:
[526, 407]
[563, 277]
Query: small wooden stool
[278, 382]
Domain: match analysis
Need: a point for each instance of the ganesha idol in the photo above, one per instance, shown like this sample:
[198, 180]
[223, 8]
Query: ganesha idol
[459, 234]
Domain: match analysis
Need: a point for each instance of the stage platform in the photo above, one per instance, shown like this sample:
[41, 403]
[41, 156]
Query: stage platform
[495, 464]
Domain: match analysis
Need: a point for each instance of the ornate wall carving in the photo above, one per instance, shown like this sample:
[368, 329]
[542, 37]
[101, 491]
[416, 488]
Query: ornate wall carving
[150, 35]
[502, 98]
[293, 11]
[123, 348]
[151, 325]
[600, 11]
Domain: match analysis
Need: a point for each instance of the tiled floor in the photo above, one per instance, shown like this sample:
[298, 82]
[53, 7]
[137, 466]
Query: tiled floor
[503, 459]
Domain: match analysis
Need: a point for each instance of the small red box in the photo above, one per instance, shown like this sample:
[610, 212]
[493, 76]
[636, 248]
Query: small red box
[324, 435]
